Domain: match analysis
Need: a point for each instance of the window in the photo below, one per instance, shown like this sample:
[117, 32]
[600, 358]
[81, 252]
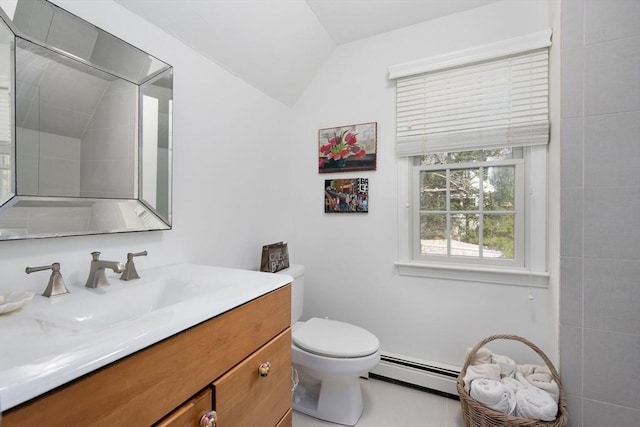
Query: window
[469, 207]
[472, 144]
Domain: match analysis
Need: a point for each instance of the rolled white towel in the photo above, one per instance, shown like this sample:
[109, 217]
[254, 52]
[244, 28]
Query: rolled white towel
[493, 394]
[482, 356]
[540, 377]
[545, 382]
[513, 384]
[528, 369]
[533, 403]
[522, 379]
[486, 371]
[507, 365]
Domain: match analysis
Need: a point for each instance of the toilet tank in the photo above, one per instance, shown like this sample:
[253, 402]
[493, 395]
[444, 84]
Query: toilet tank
[297, 290]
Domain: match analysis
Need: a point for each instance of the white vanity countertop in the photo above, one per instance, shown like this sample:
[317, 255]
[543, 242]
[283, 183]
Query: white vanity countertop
[52, 341]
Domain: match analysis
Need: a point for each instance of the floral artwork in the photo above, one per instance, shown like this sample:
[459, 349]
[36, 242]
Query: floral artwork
[347, 148]
[346, 195]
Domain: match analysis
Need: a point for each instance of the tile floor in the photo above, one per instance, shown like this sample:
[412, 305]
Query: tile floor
[393, 405]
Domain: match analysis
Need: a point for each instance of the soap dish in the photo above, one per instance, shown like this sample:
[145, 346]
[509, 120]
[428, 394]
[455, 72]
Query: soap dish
[15, 300]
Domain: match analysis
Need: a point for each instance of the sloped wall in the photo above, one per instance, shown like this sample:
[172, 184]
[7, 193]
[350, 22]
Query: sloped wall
[228, 170]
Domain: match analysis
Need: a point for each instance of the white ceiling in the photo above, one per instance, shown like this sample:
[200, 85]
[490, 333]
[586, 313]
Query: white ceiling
[350, 20]
[278, 45]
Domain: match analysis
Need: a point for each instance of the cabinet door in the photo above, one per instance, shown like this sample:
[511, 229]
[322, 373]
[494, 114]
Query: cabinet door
[189, 414]
[244, 398]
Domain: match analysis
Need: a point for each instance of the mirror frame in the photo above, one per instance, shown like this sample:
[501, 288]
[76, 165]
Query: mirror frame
[134, 214]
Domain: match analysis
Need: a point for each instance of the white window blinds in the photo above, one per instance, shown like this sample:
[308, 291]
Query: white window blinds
[493, 103]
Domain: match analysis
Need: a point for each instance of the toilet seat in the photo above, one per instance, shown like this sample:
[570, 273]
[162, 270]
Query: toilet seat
[334, 339]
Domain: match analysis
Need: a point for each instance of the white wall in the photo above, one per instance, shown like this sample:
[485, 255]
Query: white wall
[350, 257]
[108, 150]
[229, 169]
[245, 174]
[59, 171]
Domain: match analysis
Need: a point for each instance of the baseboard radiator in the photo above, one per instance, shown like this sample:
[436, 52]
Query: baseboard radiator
[433, 376]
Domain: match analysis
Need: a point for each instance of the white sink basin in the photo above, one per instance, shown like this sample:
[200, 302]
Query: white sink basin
[105, 307]
[51, 341]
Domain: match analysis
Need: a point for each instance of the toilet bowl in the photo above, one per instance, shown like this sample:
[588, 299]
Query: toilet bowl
[329, 357]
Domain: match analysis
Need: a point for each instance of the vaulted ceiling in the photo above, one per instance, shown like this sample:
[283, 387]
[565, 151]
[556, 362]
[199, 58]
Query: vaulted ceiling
[278, 45]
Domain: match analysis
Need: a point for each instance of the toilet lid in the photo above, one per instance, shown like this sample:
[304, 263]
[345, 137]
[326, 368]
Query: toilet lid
[334, 339]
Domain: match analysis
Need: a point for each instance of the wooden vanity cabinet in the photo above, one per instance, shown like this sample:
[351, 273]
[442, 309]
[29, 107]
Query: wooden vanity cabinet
[189, 414]
[287, 420]
[243, 398]
[213, 365]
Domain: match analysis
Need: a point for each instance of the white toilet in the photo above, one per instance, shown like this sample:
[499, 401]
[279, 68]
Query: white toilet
[329, 357]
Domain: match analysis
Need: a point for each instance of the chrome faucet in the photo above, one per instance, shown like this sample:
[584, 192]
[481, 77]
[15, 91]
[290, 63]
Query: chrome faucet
[130, 271]
[56, 284]
[96, 273]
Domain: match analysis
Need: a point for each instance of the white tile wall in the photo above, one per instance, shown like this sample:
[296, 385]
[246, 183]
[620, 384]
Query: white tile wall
[600, 248]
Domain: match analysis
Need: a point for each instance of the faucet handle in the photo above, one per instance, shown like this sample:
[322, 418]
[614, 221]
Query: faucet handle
[130, 255]
[130, 272]
[56, 284]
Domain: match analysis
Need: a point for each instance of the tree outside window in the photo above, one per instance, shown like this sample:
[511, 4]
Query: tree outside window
[468, 204]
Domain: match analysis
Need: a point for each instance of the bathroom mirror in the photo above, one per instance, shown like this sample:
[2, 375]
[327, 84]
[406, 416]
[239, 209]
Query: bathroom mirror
[85, 128]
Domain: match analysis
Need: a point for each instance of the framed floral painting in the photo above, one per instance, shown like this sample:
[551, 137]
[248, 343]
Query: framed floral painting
[346, 195]
[347, 148]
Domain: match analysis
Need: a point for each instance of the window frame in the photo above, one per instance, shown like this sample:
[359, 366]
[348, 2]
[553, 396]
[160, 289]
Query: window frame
[519, 224]
[531, 268]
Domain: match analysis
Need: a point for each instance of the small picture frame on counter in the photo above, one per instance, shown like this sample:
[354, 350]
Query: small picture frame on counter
[275, 257]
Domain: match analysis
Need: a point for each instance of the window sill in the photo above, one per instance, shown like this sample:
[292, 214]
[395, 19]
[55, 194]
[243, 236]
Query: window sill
[498, 276]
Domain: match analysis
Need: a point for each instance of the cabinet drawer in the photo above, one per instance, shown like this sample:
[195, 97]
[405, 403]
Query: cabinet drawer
[243, 398]
[189, 414]
[287, 420]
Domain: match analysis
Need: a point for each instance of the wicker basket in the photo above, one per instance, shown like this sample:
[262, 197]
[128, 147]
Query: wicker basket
[475, 414]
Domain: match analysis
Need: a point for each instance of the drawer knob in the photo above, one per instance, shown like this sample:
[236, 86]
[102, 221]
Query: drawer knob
[209, 419]
[263, 369]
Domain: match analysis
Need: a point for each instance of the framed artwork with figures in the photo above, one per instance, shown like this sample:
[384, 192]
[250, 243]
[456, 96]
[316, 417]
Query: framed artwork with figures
[348, 148]
[346, 195]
